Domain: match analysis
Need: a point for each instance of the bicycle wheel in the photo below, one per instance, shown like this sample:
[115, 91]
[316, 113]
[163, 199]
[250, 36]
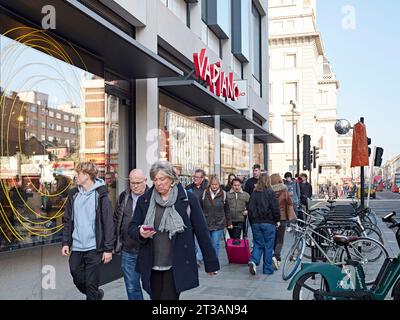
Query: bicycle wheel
[308, 287]
[369, 253]
[293, 259]
[373, 217]
[373, 233]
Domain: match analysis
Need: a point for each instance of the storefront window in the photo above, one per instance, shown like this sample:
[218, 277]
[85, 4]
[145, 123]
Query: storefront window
[258, 154]
[41, 94]
[234, 155]
[188, 144]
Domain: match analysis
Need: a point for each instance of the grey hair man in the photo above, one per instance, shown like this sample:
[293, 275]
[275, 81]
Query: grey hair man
[126, 245]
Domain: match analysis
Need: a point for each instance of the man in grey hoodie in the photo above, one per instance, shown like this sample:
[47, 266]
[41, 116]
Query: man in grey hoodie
[89, 232]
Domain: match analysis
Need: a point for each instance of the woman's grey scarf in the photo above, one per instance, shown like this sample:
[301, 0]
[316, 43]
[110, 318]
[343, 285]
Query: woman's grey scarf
[171, 221]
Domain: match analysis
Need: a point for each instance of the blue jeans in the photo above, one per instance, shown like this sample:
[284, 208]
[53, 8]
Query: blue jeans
[216, 236]
[263, 245]
[131, 277]
[199, 255]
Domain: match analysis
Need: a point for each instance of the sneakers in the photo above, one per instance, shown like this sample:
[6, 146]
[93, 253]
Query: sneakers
[199, 263]
[275, 263]
[101, 294]
[288, 229]
[252, 268]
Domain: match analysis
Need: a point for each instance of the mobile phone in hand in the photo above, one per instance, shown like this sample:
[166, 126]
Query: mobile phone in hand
[148, 228]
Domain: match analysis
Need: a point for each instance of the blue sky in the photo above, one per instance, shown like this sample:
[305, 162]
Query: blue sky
[367, 63]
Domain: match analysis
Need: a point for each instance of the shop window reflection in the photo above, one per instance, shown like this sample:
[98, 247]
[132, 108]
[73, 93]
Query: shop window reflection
[188, 144]
[37, 157]
[234, 154]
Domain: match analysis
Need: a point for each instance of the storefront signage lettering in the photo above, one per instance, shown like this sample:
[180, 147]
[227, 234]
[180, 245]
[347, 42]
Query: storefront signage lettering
[218, 82]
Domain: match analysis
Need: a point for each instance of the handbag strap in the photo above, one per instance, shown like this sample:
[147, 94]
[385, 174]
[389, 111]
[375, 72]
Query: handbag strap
[245, 227]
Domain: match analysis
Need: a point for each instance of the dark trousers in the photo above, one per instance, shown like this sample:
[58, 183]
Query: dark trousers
[163, 285]
[236, 231]
[85, 271]
[279, 237]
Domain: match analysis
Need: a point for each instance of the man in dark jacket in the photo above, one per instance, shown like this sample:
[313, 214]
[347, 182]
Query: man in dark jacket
[198, 187]
[249, 186]
[129, 246]
[305, 191]
[88, 205]
[199, 183]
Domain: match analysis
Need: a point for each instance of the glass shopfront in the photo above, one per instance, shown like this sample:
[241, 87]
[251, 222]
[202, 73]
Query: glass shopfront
[234, 156]
[53, 116]
[188, 144]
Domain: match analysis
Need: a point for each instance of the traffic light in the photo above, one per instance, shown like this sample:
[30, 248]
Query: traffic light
[369, 149]
[378, 157]
[319, 169]
[306, 152]
[311, 157]
[316, 156]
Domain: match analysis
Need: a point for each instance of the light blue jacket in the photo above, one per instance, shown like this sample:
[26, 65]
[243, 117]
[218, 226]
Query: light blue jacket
[84, 234]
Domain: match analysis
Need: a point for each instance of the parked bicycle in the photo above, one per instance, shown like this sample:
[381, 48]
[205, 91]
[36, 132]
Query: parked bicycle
[367, 250]
[323, 281]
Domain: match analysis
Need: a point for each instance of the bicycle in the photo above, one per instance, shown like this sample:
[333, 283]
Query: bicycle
[365, 249]
[320, 281]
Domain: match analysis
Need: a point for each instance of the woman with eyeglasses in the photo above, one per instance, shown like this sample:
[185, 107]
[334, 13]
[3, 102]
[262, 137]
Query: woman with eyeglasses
[165, 221]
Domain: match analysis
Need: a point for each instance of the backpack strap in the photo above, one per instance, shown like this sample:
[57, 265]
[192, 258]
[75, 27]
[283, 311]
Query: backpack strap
[188, 209]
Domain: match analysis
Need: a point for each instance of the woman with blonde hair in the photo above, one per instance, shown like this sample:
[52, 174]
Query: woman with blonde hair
[264, 217]
[286, 213]
[216, 211]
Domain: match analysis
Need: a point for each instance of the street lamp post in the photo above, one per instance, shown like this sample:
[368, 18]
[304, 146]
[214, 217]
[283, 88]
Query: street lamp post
[293, 136]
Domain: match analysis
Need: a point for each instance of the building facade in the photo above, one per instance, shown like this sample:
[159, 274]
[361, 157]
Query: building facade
[303, 90]
[185, 81]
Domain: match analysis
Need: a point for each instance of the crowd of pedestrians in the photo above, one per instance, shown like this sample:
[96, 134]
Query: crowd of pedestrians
[166, 232]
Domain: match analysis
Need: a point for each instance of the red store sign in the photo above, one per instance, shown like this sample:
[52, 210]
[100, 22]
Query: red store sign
[217, 81]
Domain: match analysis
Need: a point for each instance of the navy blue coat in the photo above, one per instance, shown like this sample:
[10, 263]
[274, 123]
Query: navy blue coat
[184, 264]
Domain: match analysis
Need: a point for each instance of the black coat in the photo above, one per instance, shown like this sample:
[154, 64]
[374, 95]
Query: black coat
[104, 224]
[118, 220]
[184, 264]
[305, 192]
[216, 212]
[250, 185]
[264, 207]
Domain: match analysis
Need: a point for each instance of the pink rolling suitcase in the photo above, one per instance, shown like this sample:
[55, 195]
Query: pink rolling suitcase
[238, 250]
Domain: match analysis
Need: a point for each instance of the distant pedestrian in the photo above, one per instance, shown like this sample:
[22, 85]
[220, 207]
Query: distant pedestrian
[198, 187]
[238, 201]
[250, 183]
[89, 231]
[305, 191]
[125, 244]
[294, 192]
[165, 220]
[287, 214]
[228, 185]
[264, 217]
[216, 210]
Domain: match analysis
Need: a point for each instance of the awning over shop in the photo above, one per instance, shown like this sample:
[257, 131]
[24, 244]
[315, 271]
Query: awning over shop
[84, 28]
[204, 105]
[261, 135]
